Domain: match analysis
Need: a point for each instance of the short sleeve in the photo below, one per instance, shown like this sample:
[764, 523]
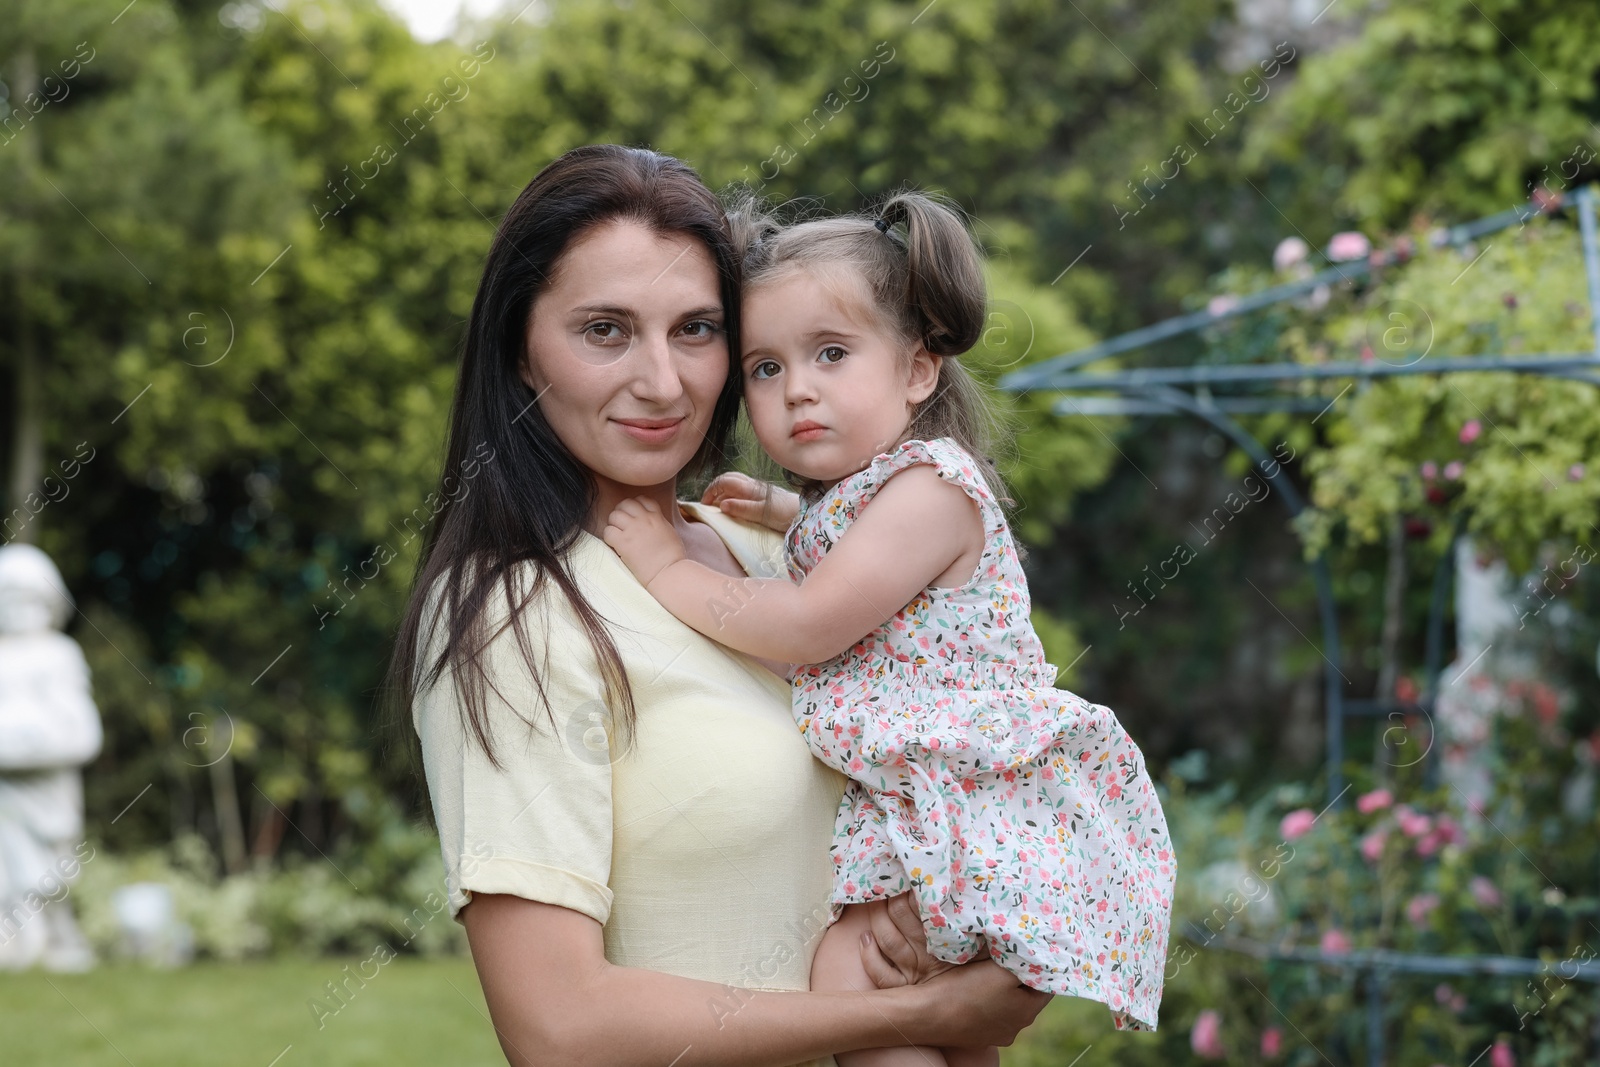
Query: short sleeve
[538, 826]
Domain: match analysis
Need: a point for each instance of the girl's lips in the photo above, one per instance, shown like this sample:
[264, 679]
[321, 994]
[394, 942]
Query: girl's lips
[650, 431]
[807, 431]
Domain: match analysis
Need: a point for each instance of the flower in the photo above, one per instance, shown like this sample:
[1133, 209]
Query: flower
[1334, 941]
[1449, 830]
[1470, 431]
[1290, 252]
[1430, 469]
[1372, 845]
[1221, 305]
[1575, 473]
[1271, 1042]
[1296, 823]
[1501, 1055]
[1452, 470]
[1367, 803]
[1347, 246]
[1429, 843]
[1418, 907]
[1206, 1037]
[1485, 892]
[1413, 823]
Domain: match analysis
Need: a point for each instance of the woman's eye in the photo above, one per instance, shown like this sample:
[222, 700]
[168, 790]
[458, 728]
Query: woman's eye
[603, 333]
[702, 329]
[765, 369]
[831, 354]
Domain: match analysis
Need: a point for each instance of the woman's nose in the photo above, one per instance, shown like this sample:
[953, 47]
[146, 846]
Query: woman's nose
[656, 372]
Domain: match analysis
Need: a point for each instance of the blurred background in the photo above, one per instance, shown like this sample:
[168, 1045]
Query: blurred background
[238, 246]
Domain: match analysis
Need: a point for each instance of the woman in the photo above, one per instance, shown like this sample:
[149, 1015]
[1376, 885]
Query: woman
[635, 836]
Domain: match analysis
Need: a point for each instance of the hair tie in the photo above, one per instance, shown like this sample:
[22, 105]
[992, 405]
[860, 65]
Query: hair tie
[882, 225]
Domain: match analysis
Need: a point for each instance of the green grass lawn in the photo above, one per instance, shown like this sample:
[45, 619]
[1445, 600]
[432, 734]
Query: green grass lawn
[250, 1015]
[412, 1012]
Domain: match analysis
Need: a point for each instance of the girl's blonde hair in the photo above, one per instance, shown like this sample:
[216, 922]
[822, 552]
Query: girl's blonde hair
[921, 276]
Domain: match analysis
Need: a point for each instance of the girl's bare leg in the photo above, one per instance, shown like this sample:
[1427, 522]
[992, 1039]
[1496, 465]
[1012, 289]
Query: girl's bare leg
[972, 1057]
[837, 966]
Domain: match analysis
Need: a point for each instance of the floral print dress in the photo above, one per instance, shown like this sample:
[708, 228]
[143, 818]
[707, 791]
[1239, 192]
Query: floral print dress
[1020, 814]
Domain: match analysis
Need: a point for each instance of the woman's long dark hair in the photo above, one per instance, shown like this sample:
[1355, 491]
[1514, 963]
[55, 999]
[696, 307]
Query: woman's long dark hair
[528, 504]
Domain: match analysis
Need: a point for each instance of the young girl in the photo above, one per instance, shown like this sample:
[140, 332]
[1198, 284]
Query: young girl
[1020, 816]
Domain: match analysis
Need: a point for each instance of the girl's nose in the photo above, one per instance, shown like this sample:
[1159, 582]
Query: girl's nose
[798, 387]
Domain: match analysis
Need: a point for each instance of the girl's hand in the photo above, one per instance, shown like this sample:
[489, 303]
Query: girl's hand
[752, 500]
[643, 537]
[899, 953]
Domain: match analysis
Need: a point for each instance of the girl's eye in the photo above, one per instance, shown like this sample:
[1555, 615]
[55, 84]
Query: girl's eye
[824, 354]
[764, 369]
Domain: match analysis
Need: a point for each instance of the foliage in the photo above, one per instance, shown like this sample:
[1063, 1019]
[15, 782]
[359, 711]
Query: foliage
[1505, 452]
[1458, 107]
[304, 907]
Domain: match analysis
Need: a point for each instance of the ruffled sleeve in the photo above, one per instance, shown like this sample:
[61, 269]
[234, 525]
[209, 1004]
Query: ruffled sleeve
[952, 462]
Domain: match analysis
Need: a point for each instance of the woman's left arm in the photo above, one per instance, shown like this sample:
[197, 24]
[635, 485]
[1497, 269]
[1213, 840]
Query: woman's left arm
[916, 526]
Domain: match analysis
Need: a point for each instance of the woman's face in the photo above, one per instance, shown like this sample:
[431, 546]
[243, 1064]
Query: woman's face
[627, 354]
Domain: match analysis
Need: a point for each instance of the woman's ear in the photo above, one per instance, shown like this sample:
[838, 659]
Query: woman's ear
[924, 375]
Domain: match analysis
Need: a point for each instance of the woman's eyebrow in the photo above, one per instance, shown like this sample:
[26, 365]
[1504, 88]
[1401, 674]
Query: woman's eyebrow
[606, 309]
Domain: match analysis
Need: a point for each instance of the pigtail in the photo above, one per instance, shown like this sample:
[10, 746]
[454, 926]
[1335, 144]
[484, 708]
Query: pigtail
[945, 291]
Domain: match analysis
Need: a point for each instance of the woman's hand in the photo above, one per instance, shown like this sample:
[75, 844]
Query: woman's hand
[899, 953]
[977, 1004]
[752, 500]
[643, 537]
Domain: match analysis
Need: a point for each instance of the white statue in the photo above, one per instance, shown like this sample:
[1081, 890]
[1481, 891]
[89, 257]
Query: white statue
[1492, 653]
[49, 728]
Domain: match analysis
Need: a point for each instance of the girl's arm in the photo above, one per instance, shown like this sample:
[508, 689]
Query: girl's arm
[555, 1000]
[916, 526]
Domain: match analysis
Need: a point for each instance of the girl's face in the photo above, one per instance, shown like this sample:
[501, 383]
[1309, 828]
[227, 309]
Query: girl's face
[826, 387]
[627, 354]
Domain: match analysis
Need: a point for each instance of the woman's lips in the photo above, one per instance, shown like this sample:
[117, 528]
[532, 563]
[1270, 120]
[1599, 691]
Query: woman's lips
[807, 431]
[650, 431]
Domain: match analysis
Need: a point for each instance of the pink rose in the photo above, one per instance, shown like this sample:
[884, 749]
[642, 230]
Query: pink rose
[1206, 1037]
[1348, 245]
[1271, 1042]
[1470, 431]
[1575, 472]
[1372, 845]
[1501, 1055]
[1449, 830]
[1334, 942]
[1221, 305]
[1452, 470]
[1429, 844]
[1414, 824]
[1291, 251]
[1485, 892]
[1296, 823]
[1367, 803]
[1418, 907]
[1430, 470]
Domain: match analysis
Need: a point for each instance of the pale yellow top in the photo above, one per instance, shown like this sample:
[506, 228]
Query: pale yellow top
[704, 849]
